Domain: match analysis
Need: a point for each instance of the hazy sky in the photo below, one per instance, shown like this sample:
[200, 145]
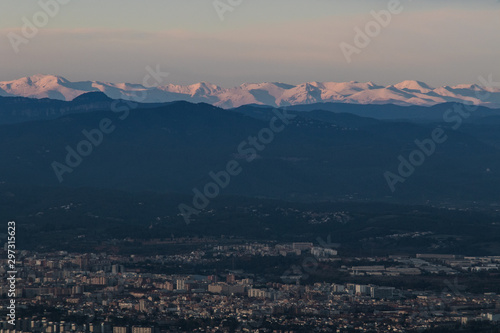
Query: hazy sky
[293, 41]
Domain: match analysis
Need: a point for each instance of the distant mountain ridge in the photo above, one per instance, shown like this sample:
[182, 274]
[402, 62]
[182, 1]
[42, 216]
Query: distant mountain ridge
[405, 93]
[21, 109]
[319, 155]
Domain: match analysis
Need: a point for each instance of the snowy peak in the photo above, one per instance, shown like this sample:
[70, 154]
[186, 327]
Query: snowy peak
[40, 86]
[193, 90]
[203, 89]
[411, 85]
[408, 92]
[473, 87]
[35, 81]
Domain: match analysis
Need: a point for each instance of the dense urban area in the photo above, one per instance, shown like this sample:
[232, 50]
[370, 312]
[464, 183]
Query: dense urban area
[221, 287]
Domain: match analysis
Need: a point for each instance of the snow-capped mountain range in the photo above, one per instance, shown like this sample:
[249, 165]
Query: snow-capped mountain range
[268, 93]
